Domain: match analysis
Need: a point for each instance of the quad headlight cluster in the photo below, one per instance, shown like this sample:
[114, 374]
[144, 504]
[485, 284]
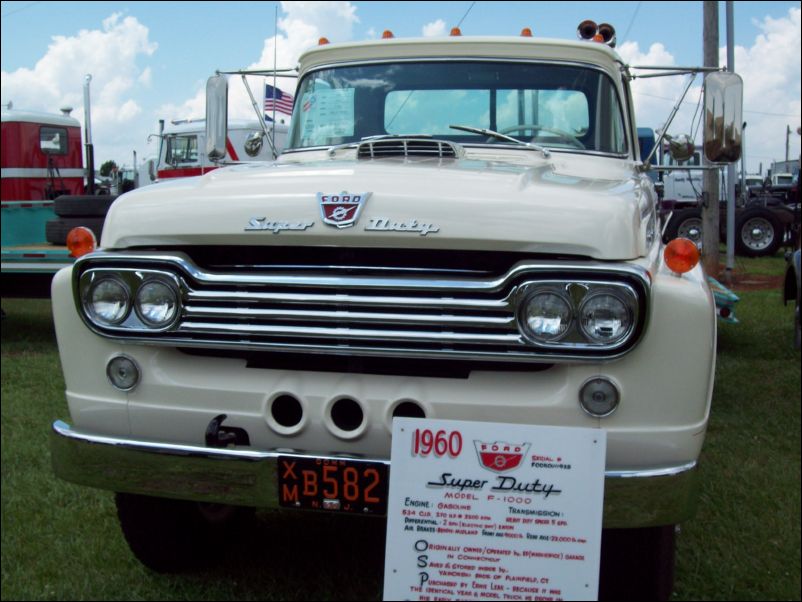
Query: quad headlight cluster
[130, 299]
[577, 314]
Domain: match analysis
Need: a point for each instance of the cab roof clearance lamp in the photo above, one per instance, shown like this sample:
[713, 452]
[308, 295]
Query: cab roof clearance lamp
[603, 33]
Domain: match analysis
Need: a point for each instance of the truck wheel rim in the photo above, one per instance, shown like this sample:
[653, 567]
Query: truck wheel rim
[757, 233]
[691, 229]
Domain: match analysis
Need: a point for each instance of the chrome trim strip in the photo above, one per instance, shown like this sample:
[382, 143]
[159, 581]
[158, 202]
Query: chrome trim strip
[632, 498]
[350, 333]
[350, 316]
[383, 301]
[639, 473]
[488, 285]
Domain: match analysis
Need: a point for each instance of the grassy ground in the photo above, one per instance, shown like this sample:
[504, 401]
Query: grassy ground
[61, 541]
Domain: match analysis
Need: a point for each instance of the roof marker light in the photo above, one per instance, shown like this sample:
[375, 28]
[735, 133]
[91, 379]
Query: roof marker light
[587, 29]
[387, 34]
[322, 41]
[526, 32]
[455, 31]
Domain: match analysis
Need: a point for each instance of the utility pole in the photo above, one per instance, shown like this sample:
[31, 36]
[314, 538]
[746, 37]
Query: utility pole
[710, 185]
[787, 139]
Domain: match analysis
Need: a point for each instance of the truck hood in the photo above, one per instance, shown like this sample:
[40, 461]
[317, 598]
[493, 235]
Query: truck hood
[569, 204]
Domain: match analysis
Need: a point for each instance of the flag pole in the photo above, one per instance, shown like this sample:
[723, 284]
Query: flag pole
[275, 66]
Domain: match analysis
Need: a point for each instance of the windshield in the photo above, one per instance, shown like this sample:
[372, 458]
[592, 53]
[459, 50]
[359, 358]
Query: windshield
[557, 106]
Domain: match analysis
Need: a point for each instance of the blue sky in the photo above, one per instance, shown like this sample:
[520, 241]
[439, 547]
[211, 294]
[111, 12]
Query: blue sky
[149, 60]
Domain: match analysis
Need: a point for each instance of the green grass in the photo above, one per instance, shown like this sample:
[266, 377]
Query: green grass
[60, 541]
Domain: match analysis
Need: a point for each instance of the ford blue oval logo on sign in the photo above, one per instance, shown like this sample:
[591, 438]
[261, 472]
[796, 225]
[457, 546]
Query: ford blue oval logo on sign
[342, 209]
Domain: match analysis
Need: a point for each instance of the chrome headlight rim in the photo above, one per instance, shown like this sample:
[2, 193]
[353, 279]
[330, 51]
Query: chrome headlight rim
[176, 294]
[523, 307]
[629, 305]
[91, 312]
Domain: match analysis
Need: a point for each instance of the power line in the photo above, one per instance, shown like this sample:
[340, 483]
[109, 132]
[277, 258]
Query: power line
[792, 116]
[20, 9]
[631, 21]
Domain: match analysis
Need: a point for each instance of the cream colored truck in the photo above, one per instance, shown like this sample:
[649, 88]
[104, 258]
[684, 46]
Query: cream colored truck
[458, 228]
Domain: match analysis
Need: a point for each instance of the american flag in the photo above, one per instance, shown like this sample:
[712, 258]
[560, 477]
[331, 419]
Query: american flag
[282, 101]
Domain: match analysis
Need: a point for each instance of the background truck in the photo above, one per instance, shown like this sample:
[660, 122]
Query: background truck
[182, 150]
[458, 228]
[766, 217]
[43, 198]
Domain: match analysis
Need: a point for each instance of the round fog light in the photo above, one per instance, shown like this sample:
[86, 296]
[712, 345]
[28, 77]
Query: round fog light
[123, 373]
[599, 397]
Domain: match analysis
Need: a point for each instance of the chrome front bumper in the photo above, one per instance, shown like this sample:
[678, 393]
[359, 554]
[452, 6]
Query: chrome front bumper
[635, 498]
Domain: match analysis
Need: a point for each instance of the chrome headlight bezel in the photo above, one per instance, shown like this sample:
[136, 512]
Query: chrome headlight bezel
[132, 280]
[577, 293]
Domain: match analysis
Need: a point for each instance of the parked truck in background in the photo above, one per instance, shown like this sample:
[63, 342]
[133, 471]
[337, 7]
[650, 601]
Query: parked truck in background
[458, 228]
[43, 186]
[766, 216]
[182, 148]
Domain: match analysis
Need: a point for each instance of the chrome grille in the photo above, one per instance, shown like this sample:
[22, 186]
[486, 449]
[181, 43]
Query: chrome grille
[326, 311]
[406, 147]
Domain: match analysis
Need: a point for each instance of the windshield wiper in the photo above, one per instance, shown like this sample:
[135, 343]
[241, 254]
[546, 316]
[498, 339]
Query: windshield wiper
[500, 136]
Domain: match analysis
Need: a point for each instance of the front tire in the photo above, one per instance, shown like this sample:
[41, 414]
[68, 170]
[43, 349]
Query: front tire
[171, 536]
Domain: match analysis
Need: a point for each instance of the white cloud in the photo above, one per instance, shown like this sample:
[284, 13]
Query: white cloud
[771, 72]
[301, 27]
[770, 69]
[434, 29]
[110, 54]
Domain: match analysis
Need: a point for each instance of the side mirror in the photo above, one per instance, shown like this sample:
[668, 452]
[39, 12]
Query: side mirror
[253, 145]
[151, 171]
[723, 117]
[216, 117]
[680, 147]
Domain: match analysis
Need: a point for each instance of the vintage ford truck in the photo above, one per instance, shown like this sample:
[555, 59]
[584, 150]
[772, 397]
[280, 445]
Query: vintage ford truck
[458, 228]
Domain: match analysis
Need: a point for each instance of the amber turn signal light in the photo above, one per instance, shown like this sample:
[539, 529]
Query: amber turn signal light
[80, 241]
[681, 255]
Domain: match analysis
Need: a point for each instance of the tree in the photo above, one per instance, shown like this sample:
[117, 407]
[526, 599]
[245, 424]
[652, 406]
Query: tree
[107, 167]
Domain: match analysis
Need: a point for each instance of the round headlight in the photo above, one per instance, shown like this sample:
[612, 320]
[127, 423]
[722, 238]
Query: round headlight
[546, 316]
[157, 303]
[605, 318]
[108, 301]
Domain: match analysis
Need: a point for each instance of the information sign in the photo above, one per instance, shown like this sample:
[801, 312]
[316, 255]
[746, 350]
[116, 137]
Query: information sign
[493, 511]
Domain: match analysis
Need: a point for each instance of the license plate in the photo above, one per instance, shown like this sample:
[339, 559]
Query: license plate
[332, 484]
